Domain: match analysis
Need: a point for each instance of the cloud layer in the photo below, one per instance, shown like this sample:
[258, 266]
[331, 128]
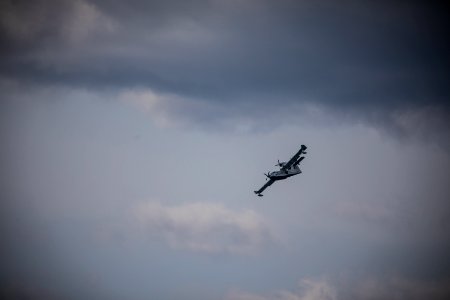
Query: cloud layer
[358, 56]
[368, 288]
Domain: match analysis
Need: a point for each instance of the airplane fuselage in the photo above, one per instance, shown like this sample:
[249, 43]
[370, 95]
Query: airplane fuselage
[279, 175]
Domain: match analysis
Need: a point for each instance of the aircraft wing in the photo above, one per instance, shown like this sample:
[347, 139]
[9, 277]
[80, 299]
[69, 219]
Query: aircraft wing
[268, 183]
[299, 160]
[294, 158]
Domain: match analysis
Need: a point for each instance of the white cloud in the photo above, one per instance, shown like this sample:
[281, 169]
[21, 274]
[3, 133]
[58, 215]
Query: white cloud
[151, 103]
[314, 290]
[169, 110]
[205, 227]
[309, 289]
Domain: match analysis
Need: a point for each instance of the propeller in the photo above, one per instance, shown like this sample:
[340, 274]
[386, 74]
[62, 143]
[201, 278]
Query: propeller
[278, 164]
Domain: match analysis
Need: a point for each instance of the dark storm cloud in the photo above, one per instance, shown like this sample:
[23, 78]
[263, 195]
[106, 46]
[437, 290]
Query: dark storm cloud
[349, 54]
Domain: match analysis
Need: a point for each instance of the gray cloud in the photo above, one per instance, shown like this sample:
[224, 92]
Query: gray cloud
[351, 56]
[308, 289]
[244, 65]
[418, 124]
[205, 227]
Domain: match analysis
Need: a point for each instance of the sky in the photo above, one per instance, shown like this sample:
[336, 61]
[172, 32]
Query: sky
[134, 134]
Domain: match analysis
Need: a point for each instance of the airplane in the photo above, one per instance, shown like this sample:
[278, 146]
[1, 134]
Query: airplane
[287, 169]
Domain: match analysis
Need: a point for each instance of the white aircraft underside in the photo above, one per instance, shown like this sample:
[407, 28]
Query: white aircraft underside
[294, 170]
